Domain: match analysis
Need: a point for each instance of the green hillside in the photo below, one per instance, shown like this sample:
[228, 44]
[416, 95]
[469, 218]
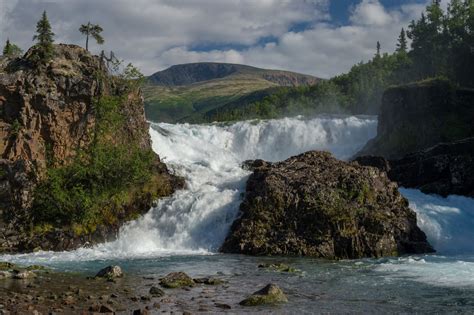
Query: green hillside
[187, 92]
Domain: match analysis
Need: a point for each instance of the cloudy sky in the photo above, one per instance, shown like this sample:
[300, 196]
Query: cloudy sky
[319, 37]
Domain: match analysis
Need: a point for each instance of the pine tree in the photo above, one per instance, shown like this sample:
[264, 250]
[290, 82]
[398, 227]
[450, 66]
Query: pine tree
[93, 30]
[7, 47]
[402, 44]
[44, 38]
[11, 50]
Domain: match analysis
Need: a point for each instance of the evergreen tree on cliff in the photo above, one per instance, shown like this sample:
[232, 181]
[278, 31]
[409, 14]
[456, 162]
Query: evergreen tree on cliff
[93, 30]
[44, 37]
[11, 50]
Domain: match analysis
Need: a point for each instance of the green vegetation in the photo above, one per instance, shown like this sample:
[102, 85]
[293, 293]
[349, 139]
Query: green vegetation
[93, 30]
[441, 46]
[44, 38]
[11, 50]
[92, 189]
[191, 101]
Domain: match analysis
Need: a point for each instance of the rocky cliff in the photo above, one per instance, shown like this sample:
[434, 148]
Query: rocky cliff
[66, 129]
[316, 205]
[445, 169]
[417, 116]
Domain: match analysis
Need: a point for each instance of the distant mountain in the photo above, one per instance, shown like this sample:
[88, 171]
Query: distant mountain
[188, 91]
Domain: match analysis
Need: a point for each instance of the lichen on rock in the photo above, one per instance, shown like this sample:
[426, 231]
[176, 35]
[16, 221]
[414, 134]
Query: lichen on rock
[316, 205]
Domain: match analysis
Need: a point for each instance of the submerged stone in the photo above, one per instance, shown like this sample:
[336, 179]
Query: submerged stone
[209, 281]
[278, 267]
[271, 294]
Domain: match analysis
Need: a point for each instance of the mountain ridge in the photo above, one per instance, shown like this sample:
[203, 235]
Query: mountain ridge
[193, 89]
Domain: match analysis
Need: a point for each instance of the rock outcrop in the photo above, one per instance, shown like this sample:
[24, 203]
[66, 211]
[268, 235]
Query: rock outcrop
[49, 116]
[316, 205]
[418, 116]
[445, 169]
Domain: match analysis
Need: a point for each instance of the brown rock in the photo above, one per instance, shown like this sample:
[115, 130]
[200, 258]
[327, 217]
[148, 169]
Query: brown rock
[316, 205]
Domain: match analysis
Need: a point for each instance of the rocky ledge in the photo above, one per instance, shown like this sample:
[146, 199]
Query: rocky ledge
[445, 169]
[315, 205]
[75, 153]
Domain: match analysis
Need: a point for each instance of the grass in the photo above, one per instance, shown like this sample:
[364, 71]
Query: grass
[172, 104]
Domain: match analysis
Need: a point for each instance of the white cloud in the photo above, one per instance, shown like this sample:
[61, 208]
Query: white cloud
[155, 34]
[370, 12]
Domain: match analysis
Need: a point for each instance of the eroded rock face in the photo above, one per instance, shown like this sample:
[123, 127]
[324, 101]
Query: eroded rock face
[417, 116]
[316, 205]
[48, 114]
[445, 169]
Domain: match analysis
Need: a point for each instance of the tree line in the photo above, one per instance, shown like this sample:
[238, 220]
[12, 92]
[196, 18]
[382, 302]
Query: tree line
[44, 38]
[439, 44]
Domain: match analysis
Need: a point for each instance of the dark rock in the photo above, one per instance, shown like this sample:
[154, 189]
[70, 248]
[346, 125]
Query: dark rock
[110, 272]
[209, 281]
[316, 205]
[176, 280]
[445, 169]
[271, 294]
[106, 309]
[417, 116]
[156, 292]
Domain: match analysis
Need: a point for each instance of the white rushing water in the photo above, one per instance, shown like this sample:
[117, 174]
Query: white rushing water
[196, 220]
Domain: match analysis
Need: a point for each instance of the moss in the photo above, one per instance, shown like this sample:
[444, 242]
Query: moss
[269, 295]
[280, 267]
[176, 280]
[4, 266]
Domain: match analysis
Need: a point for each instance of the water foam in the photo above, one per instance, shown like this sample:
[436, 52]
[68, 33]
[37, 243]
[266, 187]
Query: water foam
[447, 222]
[197, 219]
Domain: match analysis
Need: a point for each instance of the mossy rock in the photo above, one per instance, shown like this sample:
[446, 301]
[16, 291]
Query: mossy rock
[278, 267]
[209, 281]
[37, 268]
[176, 280]
[269, 295]
[4, 266]
[156, 292]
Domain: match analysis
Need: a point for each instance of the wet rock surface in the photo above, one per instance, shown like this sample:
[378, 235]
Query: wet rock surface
[445, 169]
[270, 294]
[176, 280]
[110, 272]
[315, 205]
[68, 293]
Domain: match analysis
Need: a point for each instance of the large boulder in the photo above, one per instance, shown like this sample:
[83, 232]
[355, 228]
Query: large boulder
[445, 169]
[316, 205]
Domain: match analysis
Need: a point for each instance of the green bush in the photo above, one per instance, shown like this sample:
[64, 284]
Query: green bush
[76, 193]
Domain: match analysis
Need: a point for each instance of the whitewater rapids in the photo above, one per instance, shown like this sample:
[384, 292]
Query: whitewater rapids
[196, 219]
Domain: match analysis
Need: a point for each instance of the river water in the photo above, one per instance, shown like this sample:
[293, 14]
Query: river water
[184, 231]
